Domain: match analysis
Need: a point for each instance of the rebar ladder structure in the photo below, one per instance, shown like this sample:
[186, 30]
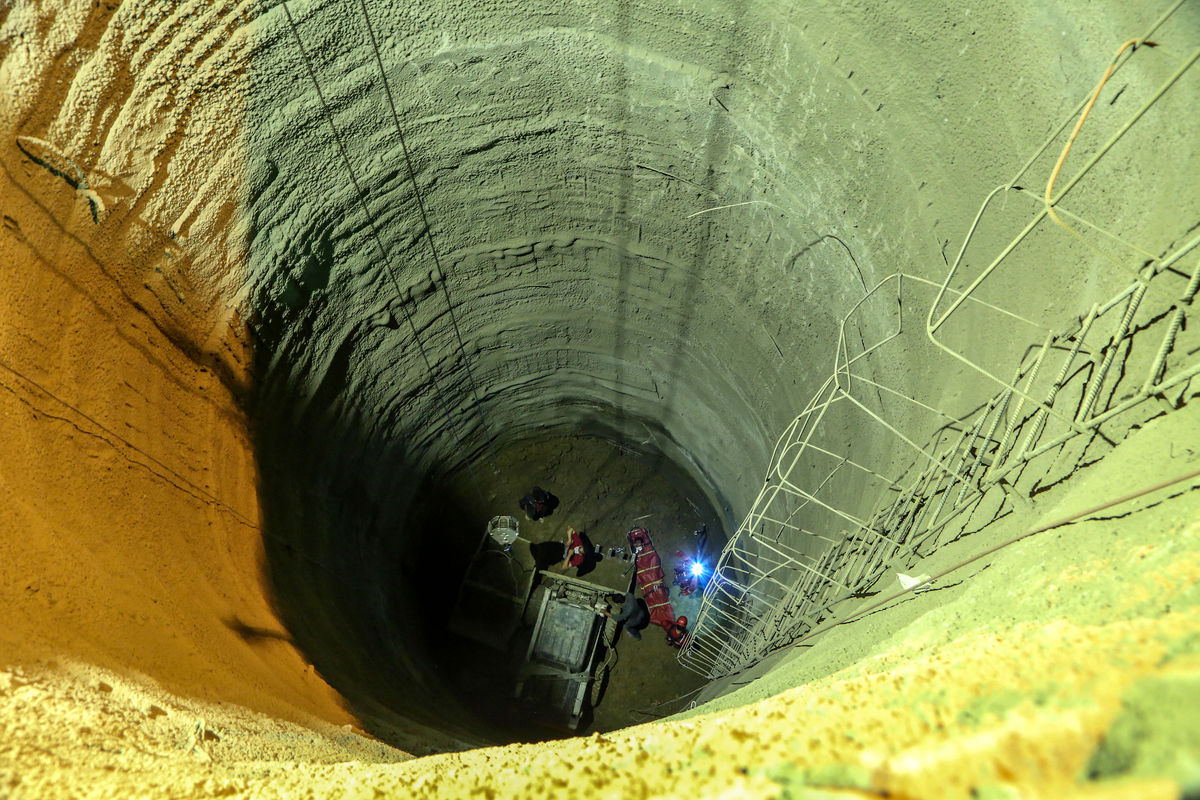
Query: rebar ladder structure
[881, 467]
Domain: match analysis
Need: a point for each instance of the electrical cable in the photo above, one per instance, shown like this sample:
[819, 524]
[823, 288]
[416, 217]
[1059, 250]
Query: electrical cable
[412, 175]
[1006, 543]
[196, 491]
[860, 614]
[168, 473]
[666, 702]
[441, 395]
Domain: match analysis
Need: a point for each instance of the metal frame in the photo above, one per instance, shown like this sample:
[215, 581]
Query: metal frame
[874, 473]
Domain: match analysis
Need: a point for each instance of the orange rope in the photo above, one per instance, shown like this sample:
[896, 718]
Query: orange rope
[1078, 125]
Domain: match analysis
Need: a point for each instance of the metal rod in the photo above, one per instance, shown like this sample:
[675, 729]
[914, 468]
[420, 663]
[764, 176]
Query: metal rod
[1015, 420]
[1172, 330]
[1114, 345]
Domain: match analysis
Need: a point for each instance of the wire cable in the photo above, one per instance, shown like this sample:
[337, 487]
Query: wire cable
[172, 475]
[1087, 512]
[441, 395]
[412, 176]
[164, 471]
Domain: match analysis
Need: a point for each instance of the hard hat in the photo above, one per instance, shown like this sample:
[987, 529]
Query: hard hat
[681, 622]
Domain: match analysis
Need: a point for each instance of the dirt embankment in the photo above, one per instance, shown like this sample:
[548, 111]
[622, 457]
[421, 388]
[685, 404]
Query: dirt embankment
[128, 490]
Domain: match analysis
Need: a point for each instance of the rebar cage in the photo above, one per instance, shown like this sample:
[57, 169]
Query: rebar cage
[884, 465]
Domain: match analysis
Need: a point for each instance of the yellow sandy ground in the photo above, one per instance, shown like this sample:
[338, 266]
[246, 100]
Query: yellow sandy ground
[1012, 713]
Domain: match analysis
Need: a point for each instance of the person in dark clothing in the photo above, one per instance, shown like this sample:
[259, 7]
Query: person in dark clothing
[538, 503]
[634, 614]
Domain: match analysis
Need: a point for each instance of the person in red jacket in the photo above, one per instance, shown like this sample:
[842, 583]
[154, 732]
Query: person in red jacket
[576, 555]
[677, 633]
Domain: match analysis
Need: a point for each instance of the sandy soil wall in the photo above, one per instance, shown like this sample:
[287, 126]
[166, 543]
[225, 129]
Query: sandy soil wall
[130, 511]
[211, 377]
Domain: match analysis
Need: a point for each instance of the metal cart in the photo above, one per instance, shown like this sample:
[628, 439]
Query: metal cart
[560, 664]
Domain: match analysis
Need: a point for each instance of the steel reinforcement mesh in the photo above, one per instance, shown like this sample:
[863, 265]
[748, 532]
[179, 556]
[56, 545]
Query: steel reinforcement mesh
[884, 464]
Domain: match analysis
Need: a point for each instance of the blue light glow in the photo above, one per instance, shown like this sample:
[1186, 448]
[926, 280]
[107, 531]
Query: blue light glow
[697, 568]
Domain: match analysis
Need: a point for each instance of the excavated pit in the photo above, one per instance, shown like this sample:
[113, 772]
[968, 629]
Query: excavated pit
[648, 225]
